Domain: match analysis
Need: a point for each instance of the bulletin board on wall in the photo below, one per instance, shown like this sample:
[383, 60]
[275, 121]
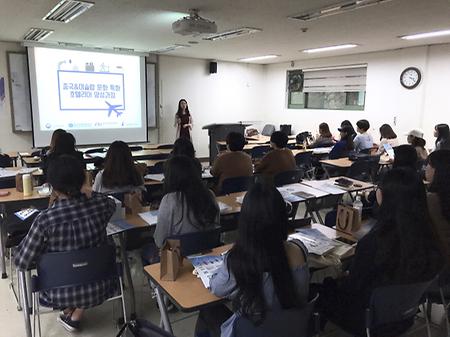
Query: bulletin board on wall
[19, 90]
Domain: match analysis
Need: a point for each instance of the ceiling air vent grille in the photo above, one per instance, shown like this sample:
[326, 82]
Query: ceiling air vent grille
[67, 10]
[229, 34]
[37, 34]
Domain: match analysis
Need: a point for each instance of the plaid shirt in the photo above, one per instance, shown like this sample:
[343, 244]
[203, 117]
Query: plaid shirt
[70, 224]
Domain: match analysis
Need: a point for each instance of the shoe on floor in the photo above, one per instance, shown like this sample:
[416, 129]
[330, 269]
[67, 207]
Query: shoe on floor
[68, 324]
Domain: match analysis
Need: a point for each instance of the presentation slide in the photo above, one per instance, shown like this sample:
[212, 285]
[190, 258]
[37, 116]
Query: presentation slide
[99, 97]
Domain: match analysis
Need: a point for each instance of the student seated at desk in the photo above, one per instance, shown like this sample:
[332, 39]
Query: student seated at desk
[184, 147]
[45, 151]
[347, 123]
[187, 205]
[437, 173]
[64, 145]
[405, 156]
[278, 160]
[415, 138]
[74, 221]
[325, 138]
[363, 141]
[234, 162]
[400, 249]
[120, 173]
[442, 134]
[342, 148]
[388, 136]
[262, 271]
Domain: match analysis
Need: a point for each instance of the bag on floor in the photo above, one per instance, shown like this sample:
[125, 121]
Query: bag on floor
[142, 328]
[348, 219]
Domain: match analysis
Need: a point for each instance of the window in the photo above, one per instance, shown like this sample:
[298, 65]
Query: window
[340, 88]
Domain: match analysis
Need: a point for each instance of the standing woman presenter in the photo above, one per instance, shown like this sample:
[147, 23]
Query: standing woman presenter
[183, 120]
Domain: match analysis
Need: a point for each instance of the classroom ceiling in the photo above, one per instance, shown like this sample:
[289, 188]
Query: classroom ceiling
[145, 25]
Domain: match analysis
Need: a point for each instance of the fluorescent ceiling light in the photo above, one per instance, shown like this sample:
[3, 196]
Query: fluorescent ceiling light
[426, 35]
[330, 48]
[170, 48]
[67, 10]
[336, 8]
[258, 58]
[37, 34]
[229, 34]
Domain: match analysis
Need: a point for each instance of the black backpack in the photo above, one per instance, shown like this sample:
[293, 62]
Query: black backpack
[5, 160]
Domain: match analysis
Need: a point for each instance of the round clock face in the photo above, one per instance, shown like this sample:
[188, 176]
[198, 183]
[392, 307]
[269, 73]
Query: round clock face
[410, 78]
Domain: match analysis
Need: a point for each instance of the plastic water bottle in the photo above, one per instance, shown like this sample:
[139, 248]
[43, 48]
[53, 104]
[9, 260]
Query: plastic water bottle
[358, 205]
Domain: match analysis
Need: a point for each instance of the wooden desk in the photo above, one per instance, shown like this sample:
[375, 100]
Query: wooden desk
[15, 196]
[188, 292]
[230, 201]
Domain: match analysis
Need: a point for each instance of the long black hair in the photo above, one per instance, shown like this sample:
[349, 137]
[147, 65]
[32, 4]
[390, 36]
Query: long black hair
[259, 248]
[406, 245]
[183, 147]
[347, 123]
[64, 144]
[443, 133]
[119, 168]
[181, 175]
[387, 132]
[440, 161]
[180, 110]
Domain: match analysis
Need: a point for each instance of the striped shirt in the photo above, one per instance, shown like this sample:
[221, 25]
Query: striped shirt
[67, 225]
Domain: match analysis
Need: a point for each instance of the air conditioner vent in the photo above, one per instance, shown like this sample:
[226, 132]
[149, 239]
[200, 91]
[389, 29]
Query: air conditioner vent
[67, 10]
[37, 34]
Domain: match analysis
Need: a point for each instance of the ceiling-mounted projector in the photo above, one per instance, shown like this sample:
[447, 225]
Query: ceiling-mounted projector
[194, 25]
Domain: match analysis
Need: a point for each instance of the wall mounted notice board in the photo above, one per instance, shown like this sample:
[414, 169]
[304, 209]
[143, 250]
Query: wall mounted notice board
[19, 90]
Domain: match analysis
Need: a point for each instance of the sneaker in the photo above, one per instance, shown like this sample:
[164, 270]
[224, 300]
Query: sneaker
[68, 324]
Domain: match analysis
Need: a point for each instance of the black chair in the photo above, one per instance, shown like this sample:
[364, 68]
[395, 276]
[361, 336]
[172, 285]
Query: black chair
[394, 304]
[158, 156]
[439, 293]
[75, 268]
[288, 177]
[259, 151]
[5, 160]
[268, 129]
[165, 146]
[198, 242]
[299, 223]
[158, 168]
[304, 161]
[236, 184]
[364, 169]
[136, 148]
[281, 323]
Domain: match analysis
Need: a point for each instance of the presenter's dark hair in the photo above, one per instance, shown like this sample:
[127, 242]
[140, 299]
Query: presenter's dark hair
[180, 110]
[386, 132]
[363, 124]
[259, 249]
[119, 168]
[405, 156]
[407, 248]
[235, 141]
[55, 136]
[280, 139]
[64, 144]
[443, 132]
[324, 130]
[183, 147]
[440, 161]
[181, 176]
[66, 175]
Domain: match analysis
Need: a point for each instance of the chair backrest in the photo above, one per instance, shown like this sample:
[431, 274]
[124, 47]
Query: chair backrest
[165, 146]
[288, 177]
[279, 323]
[235, 184]
[390, 304]
[136, 148]
[5, 160]
[156, 169]
[260, 151]
[268, 130]
[198, 242]
[304, 159]
[360, 170]
[96, 150]
[77, 267]
[158, 156]
[286, 129]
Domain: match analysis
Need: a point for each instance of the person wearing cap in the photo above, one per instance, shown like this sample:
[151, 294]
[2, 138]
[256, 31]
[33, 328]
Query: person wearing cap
[363, 141]
[342, 148]
[415, 138]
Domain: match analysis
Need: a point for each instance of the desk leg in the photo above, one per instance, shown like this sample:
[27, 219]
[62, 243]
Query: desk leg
[163, 310]
[327, 174]
[2, 243]
[25, 304]
[126, 268]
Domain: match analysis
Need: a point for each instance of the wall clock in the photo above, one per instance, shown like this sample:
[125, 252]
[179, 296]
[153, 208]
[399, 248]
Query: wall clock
[410, 77]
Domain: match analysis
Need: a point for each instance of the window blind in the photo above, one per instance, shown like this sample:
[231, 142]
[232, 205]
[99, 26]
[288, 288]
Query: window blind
[352, 79]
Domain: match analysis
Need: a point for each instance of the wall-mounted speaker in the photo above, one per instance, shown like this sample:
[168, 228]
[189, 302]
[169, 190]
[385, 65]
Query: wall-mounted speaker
[212, 67]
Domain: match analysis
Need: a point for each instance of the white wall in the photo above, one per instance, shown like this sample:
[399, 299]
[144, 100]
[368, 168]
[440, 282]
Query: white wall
[233, 94]
[386, 99]
[10, 141]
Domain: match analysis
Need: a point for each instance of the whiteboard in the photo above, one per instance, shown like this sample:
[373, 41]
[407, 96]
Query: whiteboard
[19, 88]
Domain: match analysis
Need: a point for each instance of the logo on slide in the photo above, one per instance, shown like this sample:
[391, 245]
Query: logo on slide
[113, 107]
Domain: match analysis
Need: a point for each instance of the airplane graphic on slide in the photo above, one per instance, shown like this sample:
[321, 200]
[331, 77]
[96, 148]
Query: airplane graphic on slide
[113, 107]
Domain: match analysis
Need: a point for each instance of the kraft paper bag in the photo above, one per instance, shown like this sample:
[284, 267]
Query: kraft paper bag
[133, 202]
[348, 219]
[171, 260]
